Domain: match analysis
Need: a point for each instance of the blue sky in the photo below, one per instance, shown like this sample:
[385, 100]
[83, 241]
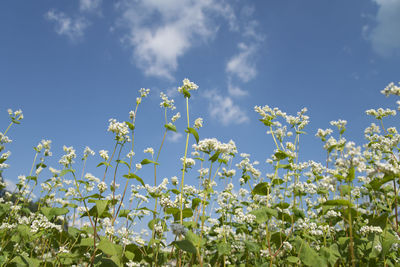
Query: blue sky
[72, 65]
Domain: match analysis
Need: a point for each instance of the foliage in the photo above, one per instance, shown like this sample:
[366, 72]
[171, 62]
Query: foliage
[341, 212]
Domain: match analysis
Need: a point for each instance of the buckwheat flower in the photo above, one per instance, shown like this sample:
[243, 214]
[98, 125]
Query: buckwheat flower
[378, 247]
[67, 159]
[166, 103]
[4, 140]
[5, 156]
[340, 124]
[102, 186]
[38, 171]
[176, 117]
[149, 150]
[9, 111]
[120, 129]
[187, 85]
[174, 180]
[381, 113]
[287, 246]
[104, 154]
[138, 100]
[138, 166]
[391, 89]
[189, 162]
[87, 152]
[92, 178]
[144, 92]
[365, 230]
[198, 123]
[21, 179]
[130, 154]
[131, 114]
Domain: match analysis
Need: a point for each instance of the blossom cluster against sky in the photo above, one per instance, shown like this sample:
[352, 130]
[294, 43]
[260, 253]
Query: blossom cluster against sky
[73, 65]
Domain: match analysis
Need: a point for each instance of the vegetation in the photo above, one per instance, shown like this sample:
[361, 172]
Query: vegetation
[342, 211]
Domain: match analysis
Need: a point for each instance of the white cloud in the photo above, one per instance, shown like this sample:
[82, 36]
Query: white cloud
[234, 90]
[160, 32]
[174, 137]
[385, 37]
[10, 185]
[64, 25]
[224, 109]
[90, 5]
[242, 65]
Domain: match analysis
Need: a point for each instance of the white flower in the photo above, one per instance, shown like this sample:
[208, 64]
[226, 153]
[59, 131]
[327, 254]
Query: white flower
[149, 150]
[174, 180]
[166, 103]
[102, 186]
[188, 86]
[175, 117]
[104, 154]
[120, 129]
[198, 123]
[144, 92]
[130, 154]
[87, 152]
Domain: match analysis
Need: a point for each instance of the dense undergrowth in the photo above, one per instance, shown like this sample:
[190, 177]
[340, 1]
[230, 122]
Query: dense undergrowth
[342, 211]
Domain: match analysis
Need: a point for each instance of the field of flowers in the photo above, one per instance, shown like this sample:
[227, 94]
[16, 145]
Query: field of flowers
[342, 211]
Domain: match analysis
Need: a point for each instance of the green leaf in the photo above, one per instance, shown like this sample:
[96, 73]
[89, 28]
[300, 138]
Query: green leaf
[350, 176]
[264, 214]
[266, 122]
[185, 92]
[308, 256]
[261, 189]
[171, 210]
[194, 133]
[293, 259]
[64, 172]
[170, 127]
[147, 161]
[185, 245]
[195, 239]
[195, 202]
[134, 176]
[223, 248]
[337, 202]
[214, 157]
[123, 162]
[101, 206]
[187, 213]
[87, 242]
[252, 246]
[109, 247]
[123, 213]
[281, 155]
[375, 243]
[377, 183]
[104, 163]
[130, 125]
[53, 212]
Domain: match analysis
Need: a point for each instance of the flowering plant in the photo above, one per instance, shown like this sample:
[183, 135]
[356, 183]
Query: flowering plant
[338, 212]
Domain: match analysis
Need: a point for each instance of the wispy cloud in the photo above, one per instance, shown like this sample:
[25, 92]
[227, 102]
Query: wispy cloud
[92, 6]
[384, 36]
[235, 90]
[73, 28]
[241, 67]
[242, 64]
[224, 109]
[160, 32]
[174, 137]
